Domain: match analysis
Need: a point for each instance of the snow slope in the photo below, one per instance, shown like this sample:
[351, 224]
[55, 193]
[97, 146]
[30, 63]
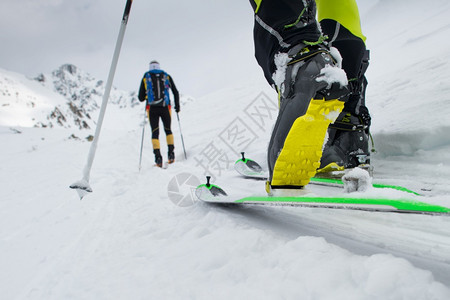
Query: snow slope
[132, 239]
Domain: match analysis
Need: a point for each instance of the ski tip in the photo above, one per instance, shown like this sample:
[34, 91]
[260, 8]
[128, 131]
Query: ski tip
[215, 190]
[249, 168]
[210, 194]
[208, 190]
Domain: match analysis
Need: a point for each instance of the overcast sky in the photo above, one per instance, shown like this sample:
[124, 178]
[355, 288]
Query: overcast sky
[191, 39]
[204, 44]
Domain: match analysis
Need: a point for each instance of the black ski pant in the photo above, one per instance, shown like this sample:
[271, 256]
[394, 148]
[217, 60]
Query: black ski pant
[155, 113]
[278, 28]
[282, 24]
[355, 60]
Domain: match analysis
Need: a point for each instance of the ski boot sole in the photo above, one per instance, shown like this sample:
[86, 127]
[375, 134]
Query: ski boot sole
[302, 150]
[332, 167]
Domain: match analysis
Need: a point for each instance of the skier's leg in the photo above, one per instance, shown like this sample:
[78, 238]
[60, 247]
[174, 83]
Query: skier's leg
[153, 116]
[345, 12]
[289, 47]
[348, 143]
[340, 21]
[279, 26]
[166, 117]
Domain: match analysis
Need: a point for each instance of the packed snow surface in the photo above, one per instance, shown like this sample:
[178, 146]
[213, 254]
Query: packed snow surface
[141, 234]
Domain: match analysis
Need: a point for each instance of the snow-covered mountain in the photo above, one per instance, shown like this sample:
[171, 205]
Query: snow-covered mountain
[67, 97]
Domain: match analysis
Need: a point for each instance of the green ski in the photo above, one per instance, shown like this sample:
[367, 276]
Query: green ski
[251, 169]
[411, 204]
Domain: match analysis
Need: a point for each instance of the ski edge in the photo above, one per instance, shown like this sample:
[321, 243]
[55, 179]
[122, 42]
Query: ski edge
[390, 208]
[338, 182]
[383, 204]
[206, 194]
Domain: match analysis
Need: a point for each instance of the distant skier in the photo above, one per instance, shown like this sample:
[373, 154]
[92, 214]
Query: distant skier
[154, 89]
[298, 60]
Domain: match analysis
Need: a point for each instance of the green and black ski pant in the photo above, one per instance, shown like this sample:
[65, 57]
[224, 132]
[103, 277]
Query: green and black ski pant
[283, 24]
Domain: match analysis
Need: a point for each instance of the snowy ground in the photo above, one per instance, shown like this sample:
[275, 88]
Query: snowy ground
[129, 240]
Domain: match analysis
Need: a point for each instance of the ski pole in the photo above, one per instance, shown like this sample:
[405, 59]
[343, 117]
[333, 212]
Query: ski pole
[82, 186]
[142, 140]
[182, 140]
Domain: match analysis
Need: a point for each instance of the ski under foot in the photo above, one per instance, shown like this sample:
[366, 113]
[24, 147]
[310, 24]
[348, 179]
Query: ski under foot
[213, 194]
[405, 201]
[164, 165]
[250, 169]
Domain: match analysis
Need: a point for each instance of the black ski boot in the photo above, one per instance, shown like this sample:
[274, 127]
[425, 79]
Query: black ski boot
[171, 155]
[158, 158]
[348, 143]
[348, 137]
[307, 107]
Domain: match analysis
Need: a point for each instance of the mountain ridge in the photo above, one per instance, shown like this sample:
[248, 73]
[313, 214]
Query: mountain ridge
[68, 97]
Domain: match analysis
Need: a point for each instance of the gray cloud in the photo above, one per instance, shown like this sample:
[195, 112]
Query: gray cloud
[205, 45]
